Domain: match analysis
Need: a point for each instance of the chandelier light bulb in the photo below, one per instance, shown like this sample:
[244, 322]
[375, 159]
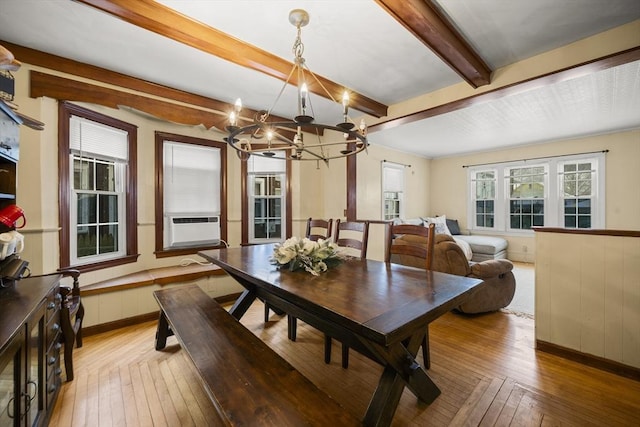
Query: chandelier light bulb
[238, 105]
[232, 118]
[303, 95]
[345, 104]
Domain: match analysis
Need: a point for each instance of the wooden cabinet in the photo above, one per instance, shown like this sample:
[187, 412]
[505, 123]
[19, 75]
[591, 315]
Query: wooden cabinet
[29, 351]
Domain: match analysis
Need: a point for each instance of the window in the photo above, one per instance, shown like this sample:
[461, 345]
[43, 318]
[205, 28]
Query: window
[577, 183]
[190, 195]
[484, 183]
[565, 191]
[392, 190]
[526, 197]
[97, 189]
[266, 178]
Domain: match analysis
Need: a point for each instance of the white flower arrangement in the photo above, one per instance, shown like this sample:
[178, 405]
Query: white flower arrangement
[315, 257]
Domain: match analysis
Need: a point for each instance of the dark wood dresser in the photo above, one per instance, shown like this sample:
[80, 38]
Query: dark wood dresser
[30, 342]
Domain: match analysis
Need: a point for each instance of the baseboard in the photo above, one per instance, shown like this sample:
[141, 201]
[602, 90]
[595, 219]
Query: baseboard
[590, 360]
[147, 317]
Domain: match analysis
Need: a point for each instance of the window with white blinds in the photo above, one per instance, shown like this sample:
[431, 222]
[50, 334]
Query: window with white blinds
[98, 160]
[392, 190]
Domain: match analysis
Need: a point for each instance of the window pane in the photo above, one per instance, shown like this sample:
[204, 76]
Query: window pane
[108, 208]
[584, 206]
[260, 229]
[274, 229]
[489, 221]
[538, 220]
[489, 206]
[570, 167]
[570, 221]
[515, 206]
[584, 167]
[515, 221]
[480, 206]
[108, 238]
[259, 186]
[87, 208]
[275, 189]
[480, 220]
[86, 241]
[105, 177]
[526, 222]
[526, 206]
[538, 206]
[82, 174]
[584, 221]
[569, 206]
[584, 188]
[260, 208]
[274, 208]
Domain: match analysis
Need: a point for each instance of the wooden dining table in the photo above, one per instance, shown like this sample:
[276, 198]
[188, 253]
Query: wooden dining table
[379, 309]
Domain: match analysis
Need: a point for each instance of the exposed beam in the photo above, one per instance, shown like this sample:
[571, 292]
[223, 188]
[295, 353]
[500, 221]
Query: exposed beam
[578, 70]
[81, 69]
[422, 19]
[165, 21]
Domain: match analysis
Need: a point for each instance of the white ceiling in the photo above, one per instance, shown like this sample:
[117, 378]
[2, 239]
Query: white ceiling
[357, 44]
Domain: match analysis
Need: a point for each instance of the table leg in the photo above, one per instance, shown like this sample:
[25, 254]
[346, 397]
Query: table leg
[162, 332]
[243, 303]
[401, 369]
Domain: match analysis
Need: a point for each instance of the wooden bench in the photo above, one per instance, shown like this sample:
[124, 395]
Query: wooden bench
[247, 381]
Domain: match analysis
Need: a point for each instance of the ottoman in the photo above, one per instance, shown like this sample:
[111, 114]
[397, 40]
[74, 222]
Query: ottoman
[485, 247]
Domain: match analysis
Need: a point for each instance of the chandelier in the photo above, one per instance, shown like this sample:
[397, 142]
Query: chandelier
[266, 138]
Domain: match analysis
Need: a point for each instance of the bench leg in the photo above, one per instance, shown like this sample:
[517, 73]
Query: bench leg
[163, 332]
[327, 349]
[292, 327]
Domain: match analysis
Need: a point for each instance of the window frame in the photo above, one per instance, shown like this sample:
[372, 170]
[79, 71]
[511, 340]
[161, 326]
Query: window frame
[385, 190]
[65, 195]
[554, 207]
[246, 218]
[160, 138]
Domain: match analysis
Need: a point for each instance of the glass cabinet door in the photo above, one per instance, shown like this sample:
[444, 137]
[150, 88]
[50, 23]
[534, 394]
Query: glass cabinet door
[10, 383]
[34, 391]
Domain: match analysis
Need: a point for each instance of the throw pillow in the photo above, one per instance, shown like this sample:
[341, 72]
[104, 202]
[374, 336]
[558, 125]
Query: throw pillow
[452, 225]
[440, 222]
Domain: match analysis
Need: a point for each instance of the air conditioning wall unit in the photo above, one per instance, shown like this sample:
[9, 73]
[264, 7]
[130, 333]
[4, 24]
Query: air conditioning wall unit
[193, 230]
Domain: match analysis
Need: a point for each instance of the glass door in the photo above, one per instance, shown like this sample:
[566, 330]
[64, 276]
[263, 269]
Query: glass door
[10, 382]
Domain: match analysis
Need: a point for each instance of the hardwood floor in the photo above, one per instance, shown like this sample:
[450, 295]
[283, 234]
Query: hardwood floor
[485, 366]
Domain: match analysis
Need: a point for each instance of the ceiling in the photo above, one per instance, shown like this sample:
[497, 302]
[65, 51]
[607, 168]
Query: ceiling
[361, 46]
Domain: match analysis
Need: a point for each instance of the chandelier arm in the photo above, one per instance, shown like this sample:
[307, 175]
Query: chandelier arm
[284, 86]
[320, 83]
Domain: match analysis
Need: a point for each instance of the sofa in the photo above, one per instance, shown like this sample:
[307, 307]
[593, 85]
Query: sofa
[448, 257]
[478, 248]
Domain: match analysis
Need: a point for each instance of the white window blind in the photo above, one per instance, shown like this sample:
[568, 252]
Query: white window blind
[95, 139]
[191, 179]
[392, 177]
[275, 164]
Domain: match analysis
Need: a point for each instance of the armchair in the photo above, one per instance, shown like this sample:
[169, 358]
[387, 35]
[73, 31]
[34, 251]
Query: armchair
[448, 257]
[500, 283]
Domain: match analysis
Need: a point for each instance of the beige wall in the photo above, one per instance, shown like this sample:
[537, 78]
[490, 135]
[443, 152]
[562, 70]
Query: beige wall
[588, 294]
[449, 189]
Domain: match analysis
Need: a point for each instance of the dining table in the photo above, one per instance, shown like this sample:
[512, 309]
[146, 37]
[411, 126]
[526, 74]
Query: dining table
[379, 309]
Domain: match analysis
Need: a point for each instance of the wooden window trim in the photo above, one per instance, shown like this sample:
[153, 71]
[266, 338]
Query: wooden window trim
[160, 138]
[65, 111]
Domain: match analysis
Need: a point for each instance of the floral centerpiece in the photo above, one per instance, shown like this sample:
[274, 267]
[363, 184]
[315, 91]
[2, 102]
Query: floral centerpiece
[315, 257]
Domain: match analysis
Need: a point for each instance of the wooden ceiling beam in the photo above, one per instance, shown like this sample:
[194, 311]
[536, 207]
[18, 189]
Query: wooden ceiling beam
[432, 28]
[166, 22]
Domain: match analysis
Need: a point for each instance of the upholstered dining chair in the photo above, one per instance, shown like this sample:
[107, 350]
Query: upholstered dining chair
[412, 245]
[353, 235]
[316, 229]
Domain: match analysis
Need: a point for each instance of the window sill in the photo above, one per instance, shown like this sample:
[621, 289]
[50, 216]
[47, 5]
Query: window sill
[154, 276]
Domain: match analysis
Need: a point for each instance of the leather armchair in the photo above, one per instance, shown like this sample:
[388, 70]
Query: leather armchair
[500, 283]
[448, 257]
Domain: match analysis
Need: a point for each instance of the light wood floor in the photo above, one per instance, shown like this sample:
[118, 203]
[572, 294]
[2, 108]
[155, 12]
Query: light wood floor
[485, 366]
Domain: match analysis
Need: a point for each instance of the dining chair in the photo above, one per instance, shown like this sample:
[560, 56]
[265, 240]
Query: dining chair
[355, 237]
[316, 229]
[412, 245]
